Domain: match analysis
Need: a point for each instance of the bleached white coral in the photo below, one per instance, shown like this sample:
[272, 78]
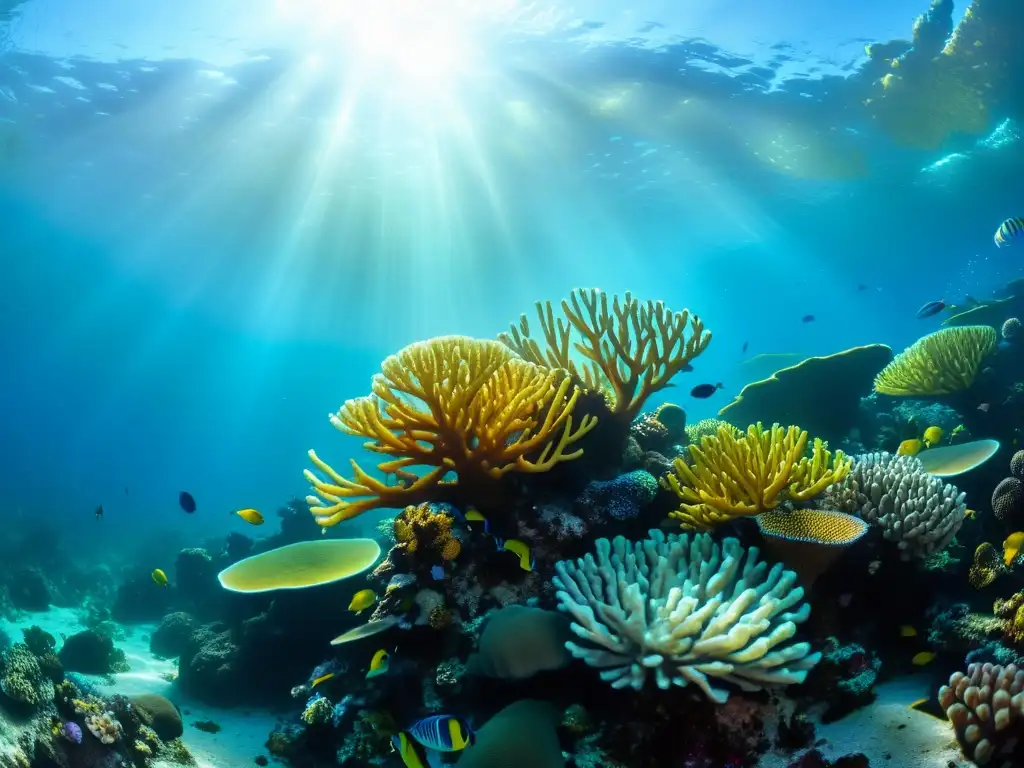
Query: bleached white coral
[687, 610]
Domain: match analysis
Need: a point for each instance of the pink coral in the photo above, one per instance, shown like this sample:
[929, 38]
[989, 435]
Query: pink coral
[985, 707]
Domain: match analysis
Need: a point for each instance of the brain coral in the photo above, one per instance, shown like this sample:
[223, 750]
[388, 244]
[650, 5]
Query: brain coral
[22, 679]
[914, 509]
[685, 609]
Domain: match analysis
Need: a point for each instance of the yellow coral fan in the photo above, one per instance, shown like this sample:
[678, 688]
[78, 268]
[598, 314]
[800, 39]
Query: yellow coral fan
[938, 364]
[741, 475]
[632, 347]
[987, 566]
[454, 405]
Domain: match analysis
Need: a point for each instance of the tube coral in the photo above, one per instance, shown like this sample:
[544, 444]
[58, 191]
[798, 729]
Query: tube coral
[685, 610]
[741, 475]
[631, 347]
[938, 364]
[455, 405]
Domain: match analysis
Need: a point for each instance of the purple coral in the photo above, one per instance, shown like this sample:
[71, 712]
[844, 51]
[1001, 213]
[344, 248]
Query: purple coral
[72, 732]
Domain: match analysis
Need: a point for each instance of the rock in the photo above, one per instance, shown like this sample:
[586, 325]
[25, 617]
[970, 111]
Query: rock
[160, 715]
[29, 590]
[172, 637]
[91, 653]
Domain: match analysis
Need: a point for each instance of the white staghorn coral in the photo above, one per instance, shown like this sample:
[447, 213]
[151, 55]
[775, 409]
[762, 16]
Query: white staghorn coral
[687, 610]
[914, 509]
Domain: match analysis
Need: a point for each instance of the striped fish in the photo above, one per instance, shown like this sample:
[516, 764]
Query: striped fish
[1009, 230]
[444, 733]
[410, 752]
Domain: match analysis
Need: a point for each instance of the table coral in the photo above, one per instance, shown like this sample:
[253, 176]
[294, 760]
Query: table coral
[632, 348]
[685, 610]
[459, 406]
[739, 476]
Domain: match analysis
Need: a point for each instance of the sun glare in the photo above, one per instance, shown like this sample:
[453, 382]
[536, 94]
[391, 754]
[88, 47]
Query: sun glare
[420, 41]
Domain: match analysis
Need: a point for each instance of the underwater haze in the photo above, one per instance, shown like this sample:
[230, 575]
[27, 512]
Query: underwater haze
[217, 219]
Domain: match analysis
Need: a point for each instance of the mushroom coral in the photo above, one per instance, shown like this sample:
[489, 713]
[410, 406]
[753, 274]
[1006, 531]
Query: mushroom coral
[629, 347]
[456, 405]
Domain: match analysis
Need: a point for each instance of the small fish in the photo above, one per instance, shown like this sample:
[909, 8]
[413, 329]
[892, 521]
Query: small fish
[518, 548]
[907, 631]
[702, 391]
[99, 512]
[362, 600]
[931, 308]
[932, 436]
[807, 319]
[126, 490]
[957, 430]
[186, 502]
[379, 663]
[1012, 546]
[412, 754]
[746, 345]
[929, 706]
[922, 658]
[909, 448]
[250, 516]
[321, 679]
[970, 514]
[444, 733]
[476, 516]
[159, 577]
[984, 407]
[437, 573]
[1008, 231]
[873, 567]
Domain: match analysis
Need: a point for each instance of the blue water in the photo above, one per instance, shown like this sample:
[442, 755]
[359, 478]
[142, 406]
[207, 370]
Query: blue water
[215, 222]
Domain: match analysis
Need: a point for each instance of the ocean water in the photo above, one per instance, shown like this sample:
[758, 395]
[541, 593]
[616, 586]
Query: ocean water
[217, 219]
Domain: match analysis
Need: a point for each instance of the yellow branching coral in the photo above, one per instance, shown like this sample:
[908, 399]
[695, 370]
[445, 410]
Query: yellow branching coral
[450, 405]
[631, 347]
[938, 364]
[736, 475]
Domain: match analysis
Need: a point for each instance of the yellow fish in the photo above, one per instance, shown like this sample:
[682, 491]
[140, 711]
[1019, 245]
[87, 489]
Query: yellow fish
[250, 516]
[362, 600]
[928, 706]
[378, 664]
[922, 658]
[520, 550]
[476, 516]
[322, 679]
[970, 514]
[907, 631]
[159, 577]
[1011, 547]
[932, 436]
[909, 448]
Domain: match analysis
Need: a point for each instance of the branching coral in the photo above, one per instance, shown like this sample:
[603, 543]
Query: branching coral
[985, 707]
[938, 364]
[631, 347]
[455, 405]
[686, 610]
[914, 509]
[735, 476]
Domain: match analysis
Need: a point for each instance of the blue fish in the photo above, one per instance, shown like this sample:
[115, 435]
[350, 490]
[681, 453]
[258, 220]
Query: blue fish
[931, 308]
[444, 733]
[437, 573]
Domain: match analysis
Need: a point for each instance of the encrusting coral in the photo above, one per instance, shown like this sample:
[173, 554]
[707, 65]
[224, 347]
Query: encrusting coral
[686, 610]
[986, 567]
[914, 509]
[457, 405]
[22, 679]
[422, 530]
[631, 347]
[737, 476]
[985, 708]
[940, 363]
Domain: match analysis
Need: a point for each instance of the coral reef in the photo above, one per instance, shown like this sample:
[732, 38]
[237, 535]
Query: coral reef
[686, 611]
